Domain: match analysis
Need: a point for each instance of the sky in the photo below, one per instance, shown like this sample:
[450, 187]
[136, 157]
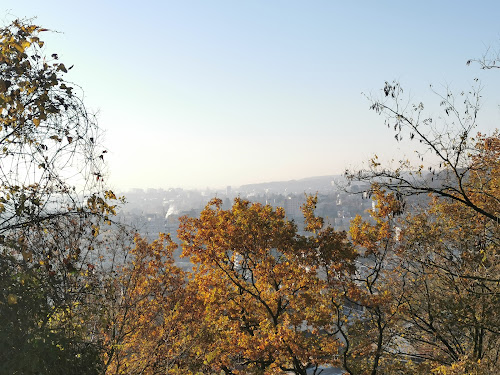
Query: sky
[199, 94]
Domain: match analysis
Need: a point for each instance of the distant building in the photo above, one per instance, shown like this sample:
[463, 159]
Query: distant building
[292, 207]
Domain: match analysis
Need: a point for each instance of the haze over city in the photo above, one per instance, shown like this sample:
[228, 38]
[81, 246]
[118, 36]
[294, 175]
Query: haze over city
[202, 94]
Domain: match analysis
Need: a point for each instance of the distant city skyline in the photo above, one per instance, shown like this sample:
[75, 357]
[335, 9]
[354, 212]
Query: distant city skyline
[198, 94]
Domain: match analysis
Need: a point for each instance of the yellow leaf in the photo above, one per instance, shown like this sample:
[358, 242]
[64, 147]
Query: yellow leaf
[12, 299]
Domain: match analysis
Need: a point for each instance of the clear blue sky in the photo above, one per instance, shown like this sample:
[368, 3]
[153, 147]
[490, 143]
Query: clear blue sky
[215, 93]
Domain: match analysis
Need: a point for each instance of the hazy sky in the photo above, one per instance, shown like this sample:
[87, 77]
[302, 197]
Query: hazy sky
[215, 93]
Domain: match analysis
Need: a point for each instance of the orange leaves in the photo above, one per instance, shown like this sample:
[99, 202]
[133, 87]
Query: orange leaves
[313, 223]
[387, 204]
[428, 287]
[154, 319]
[259, 283]
[376, 235]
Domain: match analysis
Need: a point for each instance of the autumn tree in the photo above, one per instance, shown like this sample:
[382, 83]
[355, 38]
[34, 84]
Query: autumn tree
[447, 251]
[153, 321]
[370, 319]
[425, 295]
[260, 284]
[52, 203]
[452, 252]
[452, 312]
[46, 136]
[445, 169]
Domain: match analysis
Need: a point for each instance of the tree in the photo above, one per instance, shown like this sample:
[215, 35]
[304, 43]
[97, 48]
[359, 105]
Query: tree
[260, 285]
[371, 318]
[451, 251]
[151, 326]
[447, 249]
[453, 148]
[44, 306]
[52, 203]
[50, 161]
[425, 295]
